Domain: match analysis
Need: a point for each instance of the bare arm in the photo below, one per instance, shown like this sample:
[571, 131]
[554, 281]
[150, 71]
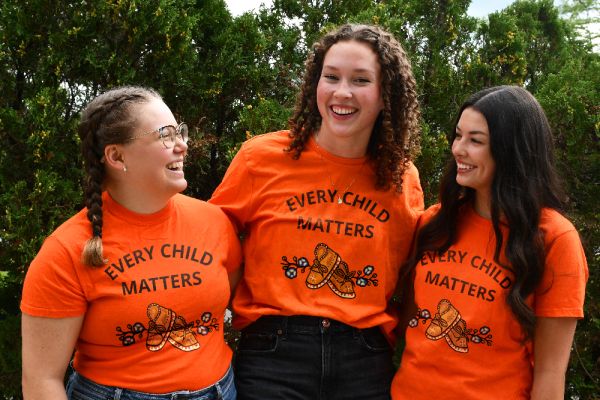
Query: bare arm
[48, 345]
[551, 347]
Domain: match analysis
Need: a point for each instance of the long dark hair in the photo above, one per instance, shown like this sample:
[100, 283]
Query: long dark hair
[108, 119]
[394, 142]
[525, 181]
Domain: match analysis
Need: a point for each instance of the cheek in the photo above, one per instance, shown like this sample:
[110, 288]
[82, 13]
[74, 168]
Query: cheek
[321, 98]
[321, 92]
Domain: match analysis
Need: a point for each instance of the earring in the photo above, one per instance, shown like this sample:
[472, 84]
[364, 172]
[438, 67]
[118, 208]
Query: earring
[124, 168]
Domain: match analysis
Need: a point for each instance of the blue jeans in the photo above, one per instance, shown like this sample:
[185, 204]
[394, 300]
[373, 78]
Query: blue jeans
[81, 388]
[312, 358]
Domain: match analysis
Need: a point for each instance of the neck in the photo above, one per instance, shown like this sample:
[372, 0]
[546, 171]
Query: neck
[482, 205]
[137, 204]
[342, 147]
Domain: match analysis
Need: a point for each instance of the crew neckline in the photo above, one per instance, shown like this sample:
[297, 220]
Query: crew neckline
[111, 206]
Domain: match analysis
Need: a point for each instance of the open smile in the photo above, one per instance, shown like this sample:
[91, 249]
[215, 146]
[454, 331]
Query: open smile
[339, 110]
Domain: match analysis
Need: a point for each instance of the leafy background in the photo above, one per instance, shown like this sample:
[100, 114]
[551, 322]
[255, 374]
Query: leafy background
[234, 77]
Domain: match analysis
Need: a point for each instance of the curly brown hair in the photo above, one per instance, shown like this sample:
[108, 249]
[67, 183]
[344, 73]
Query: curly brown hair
[394, 142]
[108, 119]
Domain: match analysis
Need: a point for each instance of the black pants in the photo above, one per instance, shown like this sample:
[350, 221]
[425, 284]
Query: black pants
[312, 358]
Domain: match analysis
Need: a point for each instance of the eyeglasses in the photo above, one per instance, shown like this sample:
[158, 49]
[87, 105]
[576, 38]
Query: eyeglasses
[169, 134]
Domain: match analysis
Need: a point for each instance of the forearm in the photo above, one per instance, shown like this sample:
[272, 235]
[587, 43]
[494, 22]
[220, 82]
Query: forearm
[551, 347]
[47, 348]
[548, 385]
[36, 388]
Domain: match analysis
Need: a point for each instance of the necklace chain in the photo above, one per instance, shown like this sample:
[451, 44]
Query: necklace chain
[342, 193]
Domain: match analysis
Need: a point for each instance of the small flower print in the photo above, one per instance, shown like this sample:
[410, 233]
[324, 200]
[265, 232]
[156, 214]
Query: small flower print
[291, 267]
[203, 330]
[206, 316]
[291, 272]
[127, 337]
[365, 277]
[481, 335]
[421, 315]
[303, 262]
[128, 340]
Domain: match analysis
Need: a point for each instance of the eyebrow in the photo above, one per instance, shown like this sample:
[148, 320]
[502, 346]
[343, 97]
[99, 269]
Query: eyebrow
[358, 70]
[473, 132]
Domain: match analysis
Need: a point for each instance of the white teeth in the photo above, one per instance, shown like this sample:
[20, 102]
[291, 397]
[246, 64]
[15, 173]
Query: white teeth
[178, 165]
[343, 110]
[464, 166]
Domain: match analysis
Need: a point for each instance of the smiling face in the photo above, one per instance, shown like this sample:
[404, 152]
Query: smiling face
[153, 173]
[471, 150]
[349, 98]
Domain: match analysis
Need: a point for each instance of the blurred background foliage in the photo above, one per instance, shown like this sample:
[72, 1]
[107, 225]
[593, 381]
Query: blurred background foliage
[234, 77]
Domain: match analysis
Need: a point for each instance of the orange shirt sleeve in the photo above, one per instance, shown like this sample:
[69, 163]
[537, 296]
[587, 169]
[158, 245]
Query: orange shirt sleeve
[52, 287]
[562, 290]
[235, 193]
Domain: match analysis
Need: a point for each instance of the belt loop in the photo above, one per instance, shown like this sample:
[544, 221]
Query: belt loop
[283, 328]
[219, 390]
[118, 392]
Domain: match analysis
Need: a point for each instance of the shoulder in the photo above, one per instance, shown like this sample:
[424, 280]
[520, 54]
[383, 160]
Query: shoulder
[266, 153]
[412, 183]
[272, 141]
[198, 209]
[429, 213]
[553, 224]
[76, 227]
[267, 144]
[411, 171]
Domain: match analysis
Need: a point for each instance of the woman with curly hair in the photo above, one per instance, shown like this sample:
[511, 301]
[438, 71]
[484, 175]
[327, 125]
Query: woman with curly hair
[327, 211]
[136, 283]
[499, 273]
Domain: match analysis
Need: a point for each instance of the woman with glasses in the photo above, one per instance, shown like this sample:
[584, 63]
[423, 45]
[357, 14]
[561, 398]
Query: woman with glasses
[137, 282]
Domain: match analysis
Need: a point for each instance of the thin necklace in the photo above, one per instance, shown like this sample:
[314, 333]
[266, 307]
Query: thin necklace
[341, 194]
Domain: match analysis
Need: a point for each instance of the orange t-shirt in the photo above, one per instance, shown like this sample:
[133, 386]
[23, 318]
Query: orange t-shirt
[319, 238]
[464, 342]
[154, 313]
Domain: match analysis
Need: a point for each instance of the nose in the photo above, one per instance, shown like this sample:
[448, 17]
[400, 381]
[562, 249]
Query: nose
[180, 145]
[343, 90]
[457, 147]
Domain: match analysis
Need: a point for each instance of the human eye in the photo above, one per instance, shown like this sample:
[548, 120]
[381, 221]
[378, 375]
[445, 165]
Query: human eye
[167, 133]
[330, 77]
[362, 80]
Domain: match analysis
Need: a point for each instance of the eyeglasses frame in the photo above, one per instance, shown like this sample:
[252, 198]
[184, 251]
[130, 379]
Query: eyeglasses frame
[181, 127]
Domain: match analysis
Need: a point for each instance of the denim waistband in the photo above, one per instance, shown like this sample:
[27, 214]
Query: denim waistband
[78, 386]
[301, 324]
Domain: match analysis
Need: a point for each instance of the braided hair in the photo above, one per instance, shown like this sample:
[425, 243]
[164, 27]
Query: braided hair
[107, 119]
[394, 142]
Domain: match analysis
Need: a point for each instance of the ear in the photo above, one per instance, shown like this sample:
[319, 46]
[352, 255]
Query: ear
[113, 157]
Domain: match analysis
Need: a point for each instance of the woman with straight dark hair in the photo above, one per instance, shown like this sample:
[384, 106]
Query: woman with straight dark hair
[328, 210]
[499, 273]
